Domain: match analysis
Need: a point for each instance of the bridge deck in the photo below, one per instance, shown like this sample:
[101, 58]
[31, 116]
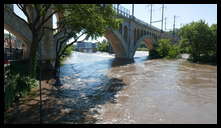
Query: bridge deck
[123, 12]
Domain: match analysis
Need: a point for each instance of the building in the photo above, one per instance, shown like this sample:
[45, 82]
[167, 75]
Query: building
[13, 48]
[86, 46]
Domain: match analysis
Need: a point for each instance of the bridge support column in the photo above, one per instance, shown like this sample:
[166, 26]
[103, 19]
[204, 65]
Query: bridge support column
[48, 46]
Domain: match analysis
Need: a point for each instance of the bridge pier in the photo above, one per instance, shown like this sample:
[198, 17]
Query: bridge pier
[17, 26]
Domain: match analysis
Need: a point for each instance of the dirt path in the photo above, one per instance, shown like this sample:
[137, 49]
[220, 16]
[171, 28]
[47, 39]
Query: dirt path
[27, 109]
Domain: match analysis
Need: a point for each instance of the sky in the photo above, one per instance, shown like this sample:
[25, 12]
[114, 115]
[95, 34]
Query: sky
[185, 13]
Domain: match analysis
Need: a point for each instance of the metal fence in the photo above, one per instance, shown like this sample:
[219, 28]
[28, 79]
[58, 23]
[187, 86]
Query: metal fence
[13, 54]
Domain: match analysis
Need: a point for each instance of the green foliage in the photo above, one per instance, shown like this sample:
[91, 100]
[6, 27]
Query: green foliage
[153, 54]
[16, 87]
[173, 52]
[202, 41]
[163, 47]
[184, 46]
[10, 87]
[142, 49]
[67, 53]
[103, 46]
[17, 83]
[91, 19]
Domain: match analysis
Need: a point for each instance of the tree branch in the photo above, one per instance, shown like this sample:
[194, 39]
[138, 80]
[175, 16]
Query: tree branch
[23, 9]
[45, 20]
[71, 44]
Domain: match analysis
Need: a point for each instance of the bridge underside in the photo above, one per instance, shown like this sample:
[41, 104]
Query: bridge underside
[117, 44]
[121, 47]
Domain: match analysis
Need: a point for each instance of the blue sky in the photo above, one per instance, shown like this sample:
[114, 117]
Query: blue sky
[185, 13]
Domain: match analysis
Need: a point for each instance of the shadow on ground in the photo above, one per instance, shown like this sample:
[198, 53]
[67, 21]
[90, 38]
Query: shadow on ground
[64, 105]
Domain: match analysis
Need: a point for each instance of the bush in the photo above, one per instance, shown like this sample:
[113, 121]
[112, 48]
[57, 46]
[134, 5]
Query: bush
[17, 86]
[153, 54]
[10, 87]
[66, 54]
[103, 46]
[68, 51]
[173, 52]
[184, 46]
[166, 49]
[163, 48]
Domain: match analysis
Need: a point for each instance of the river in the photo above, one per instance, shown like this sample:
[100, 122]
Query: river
[100, 89]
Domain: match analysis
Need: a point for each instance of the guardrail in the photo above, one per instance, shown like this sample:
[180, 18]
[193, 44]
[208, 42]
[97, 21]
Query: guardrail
[126, 13]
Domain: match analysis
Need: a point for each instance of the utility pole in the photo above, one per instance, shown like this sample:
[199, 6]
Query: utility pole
[133, 10]
[150, 14]
[162, 18]
[165, 23]
[174, 21]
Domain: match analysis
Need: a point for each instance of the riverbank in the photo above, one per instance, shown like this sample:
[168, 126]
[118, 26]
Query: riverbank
[26, 110]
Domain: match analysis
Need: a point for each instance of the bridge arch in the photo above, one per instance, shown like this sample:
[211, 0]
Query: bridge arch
[117, 42]
[148, 41]
[17, 26]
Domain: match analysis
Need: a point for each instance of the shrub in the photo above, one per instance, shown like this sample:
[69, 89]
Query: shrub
[16, 87]
[153, 54]
[163, 48]
[173, 52]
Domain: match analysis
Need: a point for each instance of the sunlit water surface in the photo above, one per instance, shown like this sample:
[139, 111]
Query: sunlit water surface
[100, 89]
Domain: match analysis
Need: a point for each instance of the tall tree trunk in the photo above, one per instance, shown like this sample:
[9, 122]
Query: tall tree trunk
[33, 55]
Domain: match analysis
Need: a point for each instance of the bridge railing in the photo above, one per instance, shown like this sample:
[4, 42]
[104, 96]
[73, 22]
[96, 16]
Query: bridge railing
[126, 13]
[122, 11]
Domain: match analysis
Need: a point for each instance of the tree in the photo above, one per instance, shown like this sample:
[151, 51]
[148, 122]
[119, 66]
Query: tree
[37, 17]
[184, 46]
[163, 47]
[78, 20]
[103, 46]
[213, 28]
[85, 19]
[200, 37]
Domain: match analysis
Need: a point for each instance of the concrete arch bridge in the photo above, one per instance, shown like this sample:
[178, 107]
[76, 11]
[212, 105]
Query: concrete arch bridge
[124, 41]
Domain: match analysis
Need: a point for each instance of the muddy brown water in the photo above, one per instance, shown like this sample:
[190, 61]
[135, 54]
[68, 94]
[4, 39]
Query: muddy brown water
[100, 89]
